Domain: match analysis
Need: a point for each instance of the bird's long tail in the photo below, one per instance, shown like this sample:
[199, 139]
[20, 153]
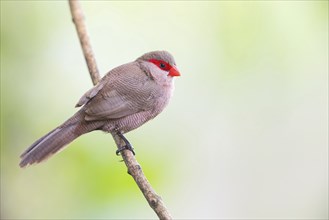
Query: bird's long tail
[56, 139]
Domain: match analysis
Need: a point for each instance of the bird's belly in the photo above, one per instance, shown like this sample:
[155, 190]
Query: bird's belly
[128, 123]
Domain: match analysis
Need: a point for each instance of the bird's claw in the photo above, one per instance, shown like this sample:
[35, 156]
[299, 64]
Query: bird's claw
[126, 147]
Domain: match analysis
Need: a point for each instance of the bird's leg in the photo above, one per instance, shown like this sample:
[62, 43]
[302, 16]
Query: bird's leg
[127, 144]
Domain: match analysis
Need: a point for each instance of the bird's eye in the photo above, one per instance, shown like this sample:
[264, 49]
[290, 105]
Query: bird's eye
[162, 65]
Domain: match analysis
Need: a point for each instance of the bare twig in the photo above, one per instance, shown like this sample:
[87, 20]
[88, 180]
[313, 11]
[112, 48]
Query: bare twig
[78, 19]
[134, 169]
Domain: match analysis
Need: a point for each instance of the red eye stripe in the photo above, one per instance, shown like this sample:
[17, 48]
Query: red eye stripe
[161, 64]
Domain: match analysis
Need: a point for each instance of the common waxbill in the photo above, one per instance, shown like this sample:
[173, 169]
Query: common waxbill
[124, 99]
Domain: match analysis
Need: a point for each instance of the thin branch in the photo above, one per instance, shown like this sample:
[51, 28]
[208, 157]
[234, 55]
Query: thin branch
[78, 19]
[134, 169]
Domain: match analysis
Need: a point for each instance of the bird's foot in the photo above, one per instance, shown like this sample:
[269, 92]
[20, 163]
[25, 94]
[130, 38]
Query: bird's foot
[126, 147]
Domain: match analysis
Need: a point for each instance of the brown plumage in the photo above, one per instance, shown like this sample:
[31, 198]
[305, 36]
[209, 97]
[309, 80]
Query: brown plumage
[124, 99]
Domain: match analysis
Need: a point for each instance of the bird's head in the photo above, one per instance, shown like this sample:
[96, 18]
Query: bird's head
[161, 60]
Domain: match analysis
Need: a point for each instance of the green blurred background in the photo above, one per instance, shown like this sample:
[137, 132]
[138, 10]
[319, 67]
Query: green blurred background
[245, 135]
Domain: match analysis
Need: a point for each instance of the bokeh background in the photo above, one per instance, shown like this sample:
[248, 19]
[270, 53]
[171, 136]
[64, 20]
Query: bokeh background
[245, 135]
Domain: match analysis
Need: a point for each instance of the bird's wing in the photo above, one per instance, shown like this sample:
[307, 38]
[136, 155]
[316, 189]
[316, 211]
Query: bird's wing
[109, 105]
[89, 94]
[124, 91]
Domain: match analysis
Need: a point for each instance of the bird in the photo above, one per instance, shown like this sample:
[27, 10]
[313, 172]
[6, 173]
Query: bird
[124, 99]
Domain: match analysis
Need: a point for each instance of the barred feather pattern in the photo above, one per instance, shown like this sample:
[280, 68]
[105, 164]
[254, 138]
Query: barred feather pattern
[124, 99]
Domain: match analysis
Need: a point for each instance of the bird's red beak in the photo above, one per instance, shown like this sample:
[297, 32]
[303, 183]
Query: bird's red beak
[174, 72]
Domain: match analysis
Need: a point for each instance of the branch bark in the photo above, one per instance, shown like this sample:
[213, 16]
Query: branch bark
[78, 19]
[134, 169]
